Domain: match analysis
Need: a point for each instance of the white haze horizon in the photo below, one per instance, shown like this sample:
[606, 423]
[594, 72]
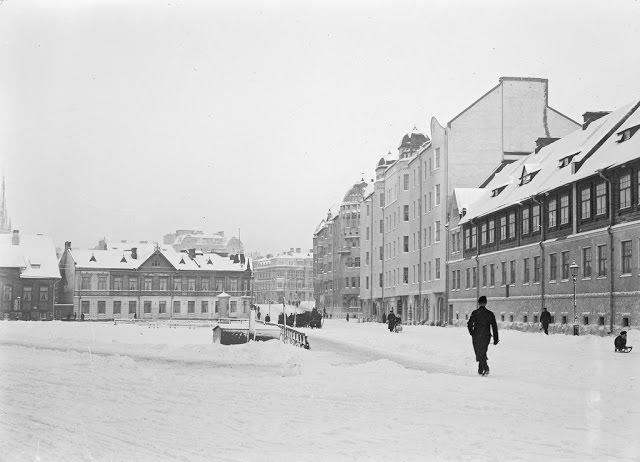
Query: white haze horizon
[130, 120]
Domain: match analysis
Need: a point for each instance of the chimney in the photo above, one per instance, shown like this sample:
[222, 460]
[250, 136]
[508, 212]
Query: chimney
[242, 260]
[15, 237]
[297, 249]
[192, 253]
[542, 142]
[67, 245]
[134, 253]
[590, 116]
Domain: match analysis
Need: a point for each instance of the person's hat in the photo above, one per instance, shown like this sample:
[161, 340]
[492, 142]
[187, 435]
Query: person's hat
[624, 332]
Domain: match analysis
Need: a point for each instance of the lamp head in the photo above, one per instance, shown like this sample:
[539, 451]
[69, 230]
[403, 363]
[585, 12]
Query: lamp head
[574, 269]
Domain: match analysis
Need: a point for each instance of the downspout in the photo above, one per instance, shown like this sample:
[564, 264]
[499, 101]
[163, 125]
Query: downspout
[420, 238]
[384, 194]
[373, 197]
[477, 257]
[541, 243]
[611, 253]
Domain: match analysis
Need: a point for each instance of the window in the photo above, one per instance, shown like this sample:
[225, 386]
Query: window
[204, 306]
[553, 267]
[602, 260]
[437, 156]
[346, 282]
[380, 280]
[564, 209]
[405, 182]
[474, 277]
[453, 280]
[437, 226]
[601, 198]
[191, 284]
[405, 275]
[552, 213]
[177, 283]
[102, 283]
[586, 262]
[132, 307]
[85, 306]
[492, 275]
[503, 266]
[492, 232]
[219, 284]
[381, 199]
[474, 235]
[162, 307]
[102, 307]
[381, 253]
[536, 269]
[26, 293]
[625, 191]
[525, 274]
[535, 219]
[147, 307]
[216, 306]
[117, 283]
[117, 307]
[503, 228]
[405, 243]
[133, 283]
[86, 283]
[366, 281]
[176, 306]
[585, 203]
[437, 194]
[512, 272]
[525, 222]
[483, 234]
[204, 284]
[484, 275]
[405, 213]
[148, 283]
[191, 306]
[44, 294]
[233, 306]
[437, 268]
[565, 265]
[626, 257]
[512, 225]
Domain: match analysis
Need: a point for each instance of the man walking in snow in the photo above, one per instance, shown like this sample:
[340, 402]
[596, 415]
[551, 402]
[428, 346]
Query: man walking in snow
[480, 325]
[391, 319]
[545, 319]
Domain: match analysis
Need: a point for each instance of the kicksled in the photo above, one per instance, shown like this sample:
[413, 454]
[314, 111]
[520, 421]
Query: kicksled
[625, 350]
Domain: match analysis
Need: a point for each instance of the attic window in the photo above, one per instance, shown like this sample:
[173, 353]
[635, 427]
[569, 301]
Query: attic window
[209, 262]
[498, 190]
[628, 133]
[528, 177]
[93, 258]
[123, 260]
[35, 265]
[182, 261]
[562, 163]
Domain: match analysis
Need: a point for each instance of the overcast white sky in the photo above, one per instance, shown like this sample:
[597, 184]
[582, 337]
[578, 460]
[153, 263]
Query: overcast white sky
[130, 119]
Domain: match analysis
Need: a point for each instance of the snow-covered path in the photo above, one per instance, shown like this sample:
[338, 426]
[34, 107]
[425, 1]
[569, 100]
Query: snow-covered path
[85, 391]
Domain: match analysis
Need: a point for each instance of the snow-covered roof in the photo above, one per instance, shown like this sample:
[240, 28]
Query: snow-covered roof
[584, 148]
[467, 196]
[123, 259]
[35, 255]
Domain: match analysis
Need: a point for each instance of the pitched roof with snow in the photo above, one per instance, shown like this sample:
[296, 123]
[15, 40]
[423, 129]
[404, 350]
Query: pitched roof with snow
[35, 256]
[578, 155]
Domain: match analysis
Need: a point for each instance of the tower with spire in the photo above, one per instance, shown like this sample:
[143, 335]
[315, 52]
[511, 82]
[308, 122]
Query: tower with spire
[5, 222]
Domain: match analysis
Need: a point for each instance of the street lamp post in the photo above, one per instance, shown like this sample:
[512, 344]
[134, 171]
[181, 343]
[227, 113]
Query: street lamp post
[574, 274]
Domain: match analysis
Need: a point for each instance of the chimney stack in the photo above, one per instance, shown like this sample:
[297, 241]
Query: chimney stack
[15, 237]
[297, 249]
[192, 253]
[542, 142]
[67, 245]
[134, 253]
[591, 116]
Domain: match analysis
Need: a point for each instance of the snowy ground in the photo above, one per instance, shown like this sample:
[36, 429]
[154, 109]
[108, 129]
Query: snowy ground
[100, 392]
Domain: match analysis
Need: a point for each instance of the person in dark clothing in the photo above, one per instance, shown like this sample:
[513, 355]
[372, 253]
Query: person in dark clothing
[480, 325]
[82, 317]
[267, 318]
[347, 317]
[545, 319]
[391, 319]
[384, 318]
[621, 343]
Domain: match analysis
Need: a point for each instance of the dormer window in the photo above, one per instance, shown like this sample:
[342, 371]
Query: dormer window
[498, 190]
[628, 133]
[182, 261]
[123, 260]
[562, 163]
[93, 258]
[524, 179]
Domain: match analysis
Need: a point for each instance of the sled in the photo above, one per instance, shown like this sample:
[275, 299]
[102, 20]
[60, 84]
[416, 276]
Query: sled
[625, 350]
[397, 328]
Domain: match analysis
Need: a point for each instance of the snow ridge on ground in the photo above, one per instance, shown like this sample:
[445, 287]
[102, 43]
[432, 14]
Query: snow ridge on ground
[97, 391]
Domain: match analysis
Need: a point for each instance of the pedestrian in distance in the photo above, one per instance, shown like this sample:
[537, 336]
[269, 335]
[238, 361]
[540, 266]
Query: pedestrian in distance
[267, 318]
[621, 343]
[347, 317]
[384, 318]
[391, 319]
[82, 317]
[545, 319]
[480, 325]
